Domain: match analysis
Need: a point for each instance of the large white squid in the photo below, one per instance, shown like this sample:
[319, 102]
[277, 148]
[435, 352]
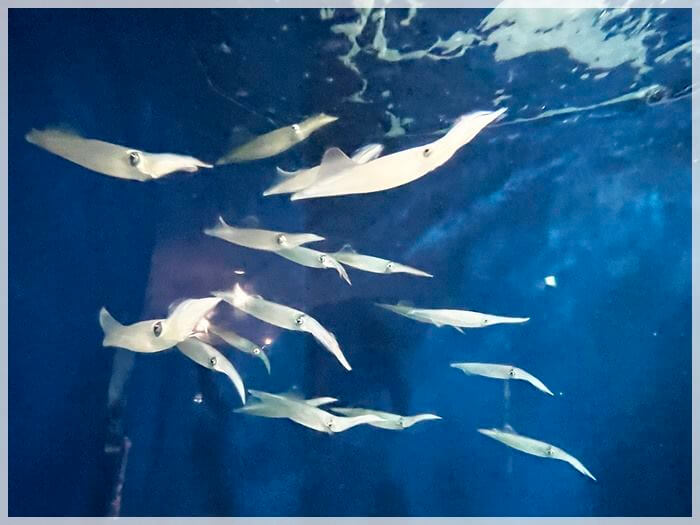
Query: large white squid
[340, 175]
[293, 181]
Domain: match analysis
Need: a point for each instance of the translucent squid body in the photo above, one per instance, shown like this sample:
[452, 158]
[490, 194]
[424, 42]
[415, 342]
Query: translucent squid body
[302, 412]
[388, 421]
[277, 141]
[534, 447]
[241, 343]
[257, 239]
[340, 175]
[372, 264]
[458, 319]
[314, 259]
[501, 372]
[157, 334]
[293, 181]
[284, 317]
[209, 357]
[112, 159]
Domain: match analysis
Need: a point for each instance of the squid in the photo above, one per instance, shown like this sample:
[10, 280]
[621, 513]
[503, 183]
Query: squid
[388, 421]
[277, 141]
[293, 181]
[340, 175]
[368, 263]
[257, 239]
[209, 357]
[283, 317]
[302, 413]
[501, 372]
[156, 335]
[241, 343]
[112, 159]
[314, 259]
[457, 319]
[534, 447]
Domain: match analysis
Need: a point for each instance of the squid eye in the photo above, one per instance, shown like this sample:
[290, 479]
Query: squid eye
[389, 266]
[427, 152]
[299, 320]
[256, 350]
[549, 451]
[281, 239]
[512, 372]
[484, 321]
[212, 360]
[330, 424]
[296, 128]
[323, 258]
[134, 158]
[157, 328]
[402, 423]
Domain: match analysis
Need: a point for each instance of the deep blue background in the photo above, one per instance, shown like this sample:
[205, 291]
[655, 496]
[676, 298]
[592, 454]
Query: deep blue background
[602, 202]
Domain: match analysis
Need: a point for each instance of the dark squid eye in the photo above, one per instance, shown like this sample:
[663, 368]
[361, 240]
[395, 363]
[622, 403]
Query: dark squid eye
[212, 361]
[296, 128]
[134, 158]
[256, 350]
[323, 258]
[281, 239]
[299, 320]
[427, 152]
[157, 328]
[511, 373]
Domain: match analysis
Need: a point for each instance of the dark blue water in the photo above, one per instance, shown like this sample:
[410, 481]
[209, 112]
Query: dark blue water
[599, 198]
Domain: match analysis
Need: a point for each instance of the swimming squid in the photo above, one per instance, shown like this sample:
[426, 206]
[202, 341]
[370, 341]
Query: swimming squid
[112, 159]
[260, 408]
[388, 421]
[156, 335]
[293, 181]
[277, 141]
[457, 319]
[302, 413]
[501, 372]
[257, 239]
[340, 175]
[284, 317]
[534, 447]
[314, 259]
[209, 357]
[372, 264]
[241, 343]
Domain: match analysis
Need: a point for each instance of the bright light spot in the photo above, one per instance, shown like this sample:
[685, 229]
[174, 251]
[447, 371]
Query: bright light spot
[268, 341]
[239, 272]
[198, 398]
[550, 280]
[203, 325]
